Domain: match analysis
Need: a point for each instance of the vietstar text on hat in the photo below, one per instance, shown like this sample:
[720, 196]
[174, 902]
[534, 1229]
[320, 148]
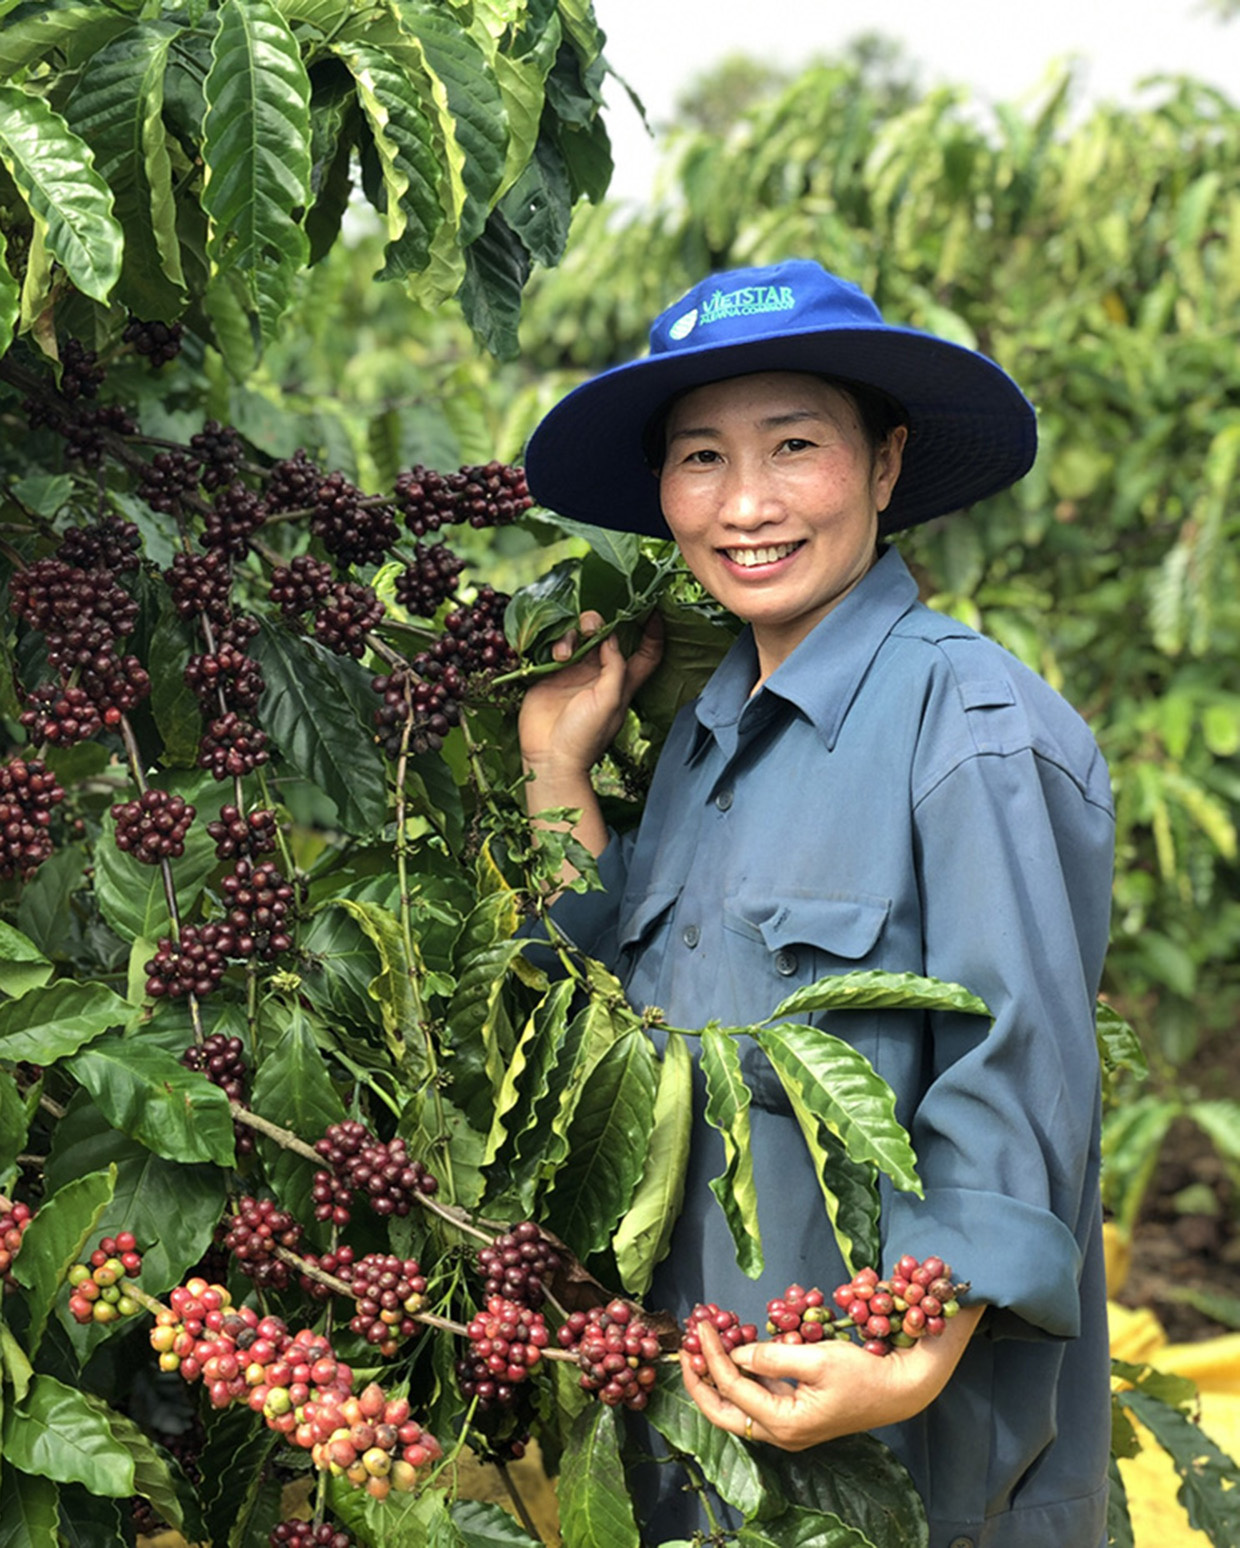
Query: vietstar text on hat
[972, 432]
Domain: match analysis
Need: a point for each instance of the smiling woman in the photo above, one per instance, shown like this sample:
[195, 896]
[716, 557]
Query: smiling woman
[772, 491]
[863, 784]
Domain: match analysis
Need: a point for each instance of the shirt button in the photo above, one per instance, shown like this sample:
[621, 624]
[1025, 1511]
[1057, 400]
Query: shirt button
[786, 963]
[692, 935]
[723, 800]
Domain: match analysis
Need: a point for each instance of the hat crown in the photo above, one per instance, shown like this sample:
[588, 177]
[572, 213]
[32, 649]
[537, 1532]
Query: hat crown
[744, 305]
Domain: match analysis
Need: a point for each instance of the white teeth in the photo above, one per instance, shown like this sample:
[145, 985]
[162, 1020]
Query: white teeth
[748, 557]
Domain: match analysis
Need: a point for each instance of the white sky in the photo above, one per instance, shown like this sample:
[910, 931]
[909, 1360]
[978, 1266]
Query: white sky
[999, 49]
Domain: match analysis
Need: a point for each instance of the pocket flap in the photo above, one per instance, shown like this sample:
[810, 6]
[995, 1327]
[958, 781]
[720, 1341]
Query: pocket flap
[636, 918]
[843, 925]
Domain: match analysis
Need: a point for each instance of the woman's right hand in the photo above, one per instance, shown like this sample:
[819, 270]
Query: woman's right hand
[569, 718]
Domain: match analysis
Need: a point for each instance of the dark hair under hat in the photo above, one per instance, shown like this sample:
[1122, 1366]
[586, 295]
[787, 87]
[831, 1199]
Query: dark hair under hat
[972, 432]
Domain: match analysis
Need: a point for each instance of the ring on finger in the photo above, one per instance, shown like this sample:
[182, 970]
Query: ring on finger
[749, 1427]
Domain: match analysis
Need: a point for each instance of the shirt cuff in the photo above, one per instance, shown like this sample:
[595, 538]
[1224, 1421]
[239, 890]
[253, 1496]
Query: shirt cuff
[1014, 1255]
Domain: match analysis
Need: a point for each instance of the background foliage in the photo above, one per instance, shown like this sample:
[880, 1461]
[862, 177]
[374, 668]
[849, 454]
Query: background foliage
[1096, 257]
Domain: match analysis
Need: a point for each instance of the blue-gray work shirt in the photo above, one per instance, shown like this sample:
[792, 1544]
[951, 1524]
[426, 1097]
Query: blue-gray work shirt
[902, 794]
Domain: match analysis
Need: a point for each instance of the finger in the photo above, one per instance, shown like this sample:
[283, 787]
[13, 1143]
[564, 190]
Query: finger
[736, 1418]
[591, 622]
[564, 647]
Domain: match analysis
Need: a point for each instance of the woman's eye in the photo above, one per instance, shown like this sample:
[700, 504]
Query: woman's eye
[796, 443]
[703, 454]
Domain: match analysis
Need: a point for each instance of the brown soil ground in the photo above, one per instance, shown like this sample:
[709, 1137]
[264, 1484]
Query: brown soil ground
[1197, 1247]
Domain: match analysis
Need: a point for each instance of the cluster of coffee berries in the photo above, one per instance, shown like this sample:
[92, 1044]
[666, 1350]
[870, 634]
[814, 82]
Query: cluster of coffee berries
[304, 1534]
[224, 679]
[259, 899]
[799, 1316]
[300, 585]
[97, 1288]
[245, 837]
[519, 1264]
[152, 827]
[232, 519]
[351, 527]
[292, 484]
[199, 1336]
[111, 543]
[429, 579]
[158, 342]
[346, 617]
[506, 1341]
[370, 1439]
[192, 964]
[82, 614]
[217, 450]
[219, 1057]
[231, 747]
[616, 1352]
[916, 1302]
[731, 1330]
[484, 495]
[81, 375]
[472, 648]
[14, 1223]
[169, 480]
[429, 708]
[388, 1294]
[252, 1235]
[62, 715]
[201, 587]
[28, 794]
[361, 1163]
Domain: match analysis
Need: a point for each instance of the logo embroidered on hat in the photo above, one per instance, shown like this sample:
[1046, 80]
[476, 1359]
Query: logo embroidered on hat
[747, 301]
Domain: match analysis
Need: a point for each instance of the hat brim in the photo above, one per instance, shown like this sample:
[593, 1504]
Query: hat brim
[972, 431]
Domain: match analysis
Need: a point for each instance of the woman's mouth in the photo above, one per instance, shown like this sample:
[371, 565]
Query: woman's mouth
[749, 558]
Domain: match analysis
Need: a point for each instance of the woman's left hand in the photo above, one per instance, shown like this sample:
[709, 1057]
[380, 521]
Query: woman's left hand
[796, 1395]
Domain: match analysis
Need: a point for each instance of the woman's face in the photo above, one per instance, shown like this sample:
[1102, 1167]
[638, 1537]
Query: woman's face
[772, 492]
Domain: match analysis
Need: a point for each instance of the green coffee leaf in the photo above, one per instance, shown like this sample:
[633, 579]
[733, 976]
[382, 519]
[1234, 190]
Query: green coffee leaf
[1207, 1474]
[256, 155]
[151, 1096]
[54, 1242]
[730, 1465]
[29, 1511]
[800, 1528]
[842, 1088]
[607, 1145]
[727, 1109]
[46, 1024]
[54, 171]
[878, 991]
[644, 1235]
[858, 1480]
[22, 965]
[58, 1433]
[595, 1508]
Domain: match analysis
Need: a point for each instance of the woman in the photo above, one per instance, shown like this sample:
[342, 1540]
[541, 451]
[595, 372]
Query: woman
[863, 783]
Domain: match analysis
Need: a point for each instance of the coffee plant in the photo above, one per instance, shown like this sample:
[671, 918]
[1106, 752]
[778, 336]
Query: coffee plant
[320, 1144]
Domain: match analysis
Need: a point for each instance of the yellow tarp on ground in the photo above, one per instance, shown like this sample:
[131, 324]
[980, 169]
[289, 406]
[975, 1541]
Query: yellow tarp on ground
[1158, 1519]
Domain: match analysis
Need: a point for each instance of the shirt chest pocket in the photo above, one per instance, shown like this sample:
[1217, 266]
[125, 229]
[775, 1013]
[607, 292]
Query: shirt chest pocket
[775, 947]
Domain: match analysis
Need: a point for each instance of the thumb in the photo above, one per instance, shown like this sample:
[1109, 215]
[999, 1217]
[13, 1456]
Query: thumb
[648, 654]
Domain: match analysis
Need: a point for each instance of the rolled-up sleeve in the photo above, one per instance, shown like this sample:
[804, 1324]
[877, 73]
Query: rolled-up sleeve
[1014, 863]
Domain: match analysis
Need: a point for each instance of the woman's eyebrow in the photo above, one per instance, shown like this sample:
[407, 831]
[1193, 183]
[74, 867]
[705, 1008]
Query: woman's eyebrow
[769, 422]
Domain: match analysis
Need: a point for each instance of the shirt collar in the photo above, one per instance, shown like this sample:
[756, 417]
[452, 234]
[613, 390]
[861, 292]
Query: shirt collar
[822, 675]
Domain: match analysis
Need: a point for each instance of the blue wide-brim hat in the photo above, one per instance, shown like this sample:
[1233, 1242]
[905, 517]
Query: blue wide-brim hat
[972, 432]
